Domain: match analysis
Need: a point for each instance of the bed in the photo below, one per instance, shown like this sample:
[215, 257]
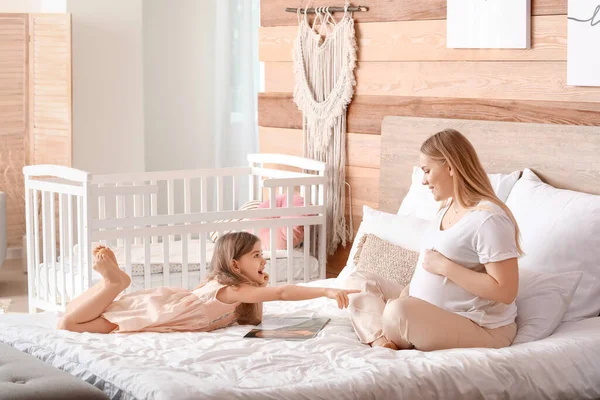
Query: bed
[222, 364]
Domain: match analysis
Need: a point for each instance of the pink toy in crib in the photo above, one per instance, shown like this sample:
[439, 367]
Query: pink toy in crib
[281, 232]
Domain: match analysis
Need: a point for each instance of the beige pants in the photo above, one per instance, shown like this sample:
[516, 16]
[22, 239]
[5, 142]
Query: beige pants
[385, 309]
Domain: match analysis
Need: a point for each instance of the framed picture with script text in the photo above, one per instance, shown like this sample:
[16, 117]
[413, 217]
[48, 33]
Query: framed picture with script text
[489, 24]
[583, 43]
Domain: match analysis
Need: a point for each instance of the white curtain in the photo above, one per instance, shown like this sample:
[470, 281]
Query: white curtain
[236, 83]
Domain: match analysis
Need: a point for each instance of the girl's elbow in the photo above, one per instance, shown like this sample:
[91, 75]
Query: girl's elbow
[281, 294]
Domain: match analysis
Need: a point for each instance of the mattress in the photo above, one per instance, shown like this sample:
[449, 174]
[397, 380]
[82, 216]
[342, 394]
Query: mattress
[175, 267]
[223, 364]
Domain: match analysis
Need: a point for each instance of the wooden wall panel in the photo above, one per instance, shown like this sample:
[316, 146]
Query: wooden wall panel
[51, 149]
[13, 119]
[366, 113]
[272, 12]
[50, 102]
[545, 80]
[35, 103]
[12, 160]
[363, 161]
[365, 187]
[424, 41]
[361, 150]
[405, 69]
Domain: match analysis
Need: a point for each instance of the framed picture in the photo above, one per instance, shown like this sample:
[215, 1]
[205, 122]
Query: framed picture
[489, 24]
[583, 43]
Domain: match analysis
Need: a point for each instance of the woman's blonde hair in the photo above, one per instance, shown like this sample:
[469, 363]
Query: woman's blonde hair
[471, 183]
[229, 247]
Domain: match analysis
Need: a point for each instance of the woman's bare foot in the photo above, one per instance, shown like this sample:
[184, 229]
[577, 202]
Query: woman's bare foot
[391, 345]
[383, 342]
[379, 342]
[111, 273]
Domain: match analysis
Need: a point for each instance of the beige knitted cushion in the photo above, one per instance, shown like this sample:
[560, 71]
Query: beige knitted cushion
[249, 205]
[394, 263]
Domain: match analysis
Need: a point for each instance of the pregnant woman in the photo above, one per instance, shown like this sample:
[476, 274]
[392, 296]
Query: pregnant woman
[463, 290]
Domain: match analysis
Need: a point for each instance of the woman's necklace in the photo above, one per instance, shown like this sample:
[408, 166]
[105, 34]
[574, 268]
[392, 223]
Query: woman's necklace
[451, 217]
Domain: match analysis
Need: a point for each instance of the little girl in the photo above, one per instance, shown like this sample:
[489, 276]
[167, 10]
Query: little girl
[233, 292]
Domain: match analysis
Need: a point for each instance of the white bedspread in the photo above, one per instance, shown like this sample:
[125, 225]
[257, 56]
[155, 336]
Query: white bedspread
[223, 365]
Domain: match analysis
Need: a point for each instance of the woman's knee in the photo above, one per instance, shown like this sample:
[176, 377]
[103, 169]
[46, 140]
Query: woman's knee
[395, 319]
[364, 302]
[399, 309]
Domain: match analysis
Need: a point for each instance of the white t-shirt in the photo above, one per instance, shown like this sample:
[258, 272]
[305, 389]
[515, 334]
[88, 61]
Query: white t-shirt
[483, 235]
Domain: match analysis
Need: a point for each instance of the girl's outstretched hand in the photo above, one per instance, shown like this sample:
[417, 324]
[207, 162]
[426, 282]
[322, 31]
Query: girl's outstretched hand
[341, 296]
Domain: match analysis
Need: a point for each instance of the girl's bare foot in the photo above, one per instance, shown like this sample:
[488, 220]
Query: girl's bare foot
[110, 271]
[107, 251]
[125, 280]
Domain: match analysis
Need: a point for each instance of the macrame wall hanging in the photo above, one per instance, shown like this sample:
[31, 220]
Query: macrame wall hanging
[324, 63]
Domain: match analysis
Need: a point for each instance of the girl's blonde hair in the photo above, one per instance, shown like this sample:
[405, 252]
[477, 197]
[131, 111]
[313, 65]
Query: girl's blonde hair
[229, 247]
[471, 183]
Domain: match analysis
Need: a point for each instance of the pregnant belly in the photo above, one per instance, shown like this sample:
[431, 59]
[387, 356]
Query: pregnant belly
[442, 292]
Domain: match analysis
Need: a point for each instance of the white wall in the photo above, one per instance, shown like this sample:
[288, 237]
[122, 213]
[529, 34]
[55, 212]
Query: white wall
[53, 6]
[33, 6]
[179, 84]
[108, 115]
[20, 6]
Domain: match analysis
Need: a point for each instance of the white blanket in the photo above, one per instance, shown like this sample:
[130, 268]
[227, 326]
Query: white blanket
[223, 365]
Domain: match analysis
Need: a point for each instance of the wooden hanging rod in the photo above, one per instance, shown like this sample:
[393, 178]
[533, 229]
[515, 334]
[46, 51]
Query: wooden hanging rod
[331, 9]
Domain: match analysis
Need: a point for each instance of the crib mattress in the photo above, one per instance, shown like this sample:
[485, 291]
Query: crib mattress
[176, 256]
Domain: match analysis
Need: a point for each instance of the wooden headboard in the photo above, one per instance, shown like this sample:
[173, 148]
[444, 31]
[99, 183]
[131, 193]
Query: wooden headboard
[565, 156]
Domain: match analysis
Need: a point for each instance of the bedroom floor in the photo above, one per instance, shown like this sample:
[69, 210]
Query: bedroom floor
[13, 285]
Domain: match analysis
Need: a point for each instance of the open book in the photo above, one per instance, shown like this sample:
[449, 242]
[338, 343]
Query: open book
[293, 328]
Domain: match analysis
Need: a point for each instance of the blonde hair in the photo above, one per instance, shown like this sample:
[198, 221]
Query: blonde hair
[229, 247]
[471, 183]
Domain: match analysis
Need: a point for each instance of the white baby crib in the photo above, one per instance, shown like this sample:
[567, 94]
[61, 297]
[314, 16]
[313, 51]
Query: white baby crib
[159, 223]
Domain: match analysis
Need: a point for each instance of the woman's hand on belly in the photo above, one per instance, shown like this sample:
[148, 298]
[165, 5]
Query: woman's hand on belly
[435, 263]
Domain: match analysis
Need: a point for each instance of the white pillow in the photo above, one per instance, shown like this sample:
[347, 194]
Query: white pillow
[401, 230]
[560, 232]
[542, 302]
[503, 183]
[419, 200]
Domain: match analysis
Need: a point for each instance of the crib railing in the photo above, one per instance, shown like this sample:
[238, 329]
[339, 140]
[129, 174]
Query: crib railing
[163, 209]
[44, 184]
